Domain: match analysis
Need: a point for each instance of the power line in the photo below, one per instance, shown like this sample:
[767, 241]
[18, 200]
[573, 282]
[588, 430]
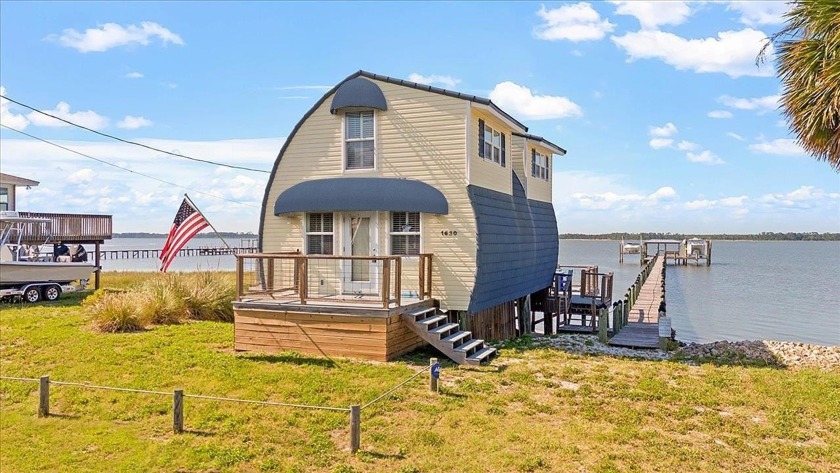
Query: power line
[125, 169]
[132, 142]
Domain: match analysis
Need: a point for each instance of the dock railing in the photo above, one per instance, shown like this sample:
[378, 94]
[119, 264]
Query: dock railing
[622, 308]
[302, 279]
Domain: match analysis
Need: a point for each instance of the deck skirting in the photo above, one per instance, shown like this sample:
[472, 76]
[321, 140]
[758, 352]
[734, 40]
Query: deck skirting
[376, 337]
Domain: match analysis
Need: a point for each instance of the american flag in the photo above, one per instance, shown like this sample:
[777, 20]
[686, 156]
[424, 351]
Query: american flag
[188, 222]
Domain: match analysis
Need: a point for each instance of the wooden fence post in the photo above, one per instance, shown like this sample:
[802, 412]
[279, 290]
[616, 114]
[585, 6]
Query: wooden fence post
[355, 428]
[603, 325]
[433, 381]
[178, 411]
[44, 397]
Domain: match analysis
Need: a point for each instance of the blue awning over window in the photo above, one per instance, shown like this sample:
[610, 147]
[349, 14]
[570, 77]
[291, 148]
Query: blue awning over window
[358, 92]
[361, 194]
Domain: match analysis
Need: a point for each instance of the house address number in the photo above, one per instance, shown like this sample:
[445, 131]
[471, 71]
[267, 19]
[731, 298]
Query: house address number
[449, 232]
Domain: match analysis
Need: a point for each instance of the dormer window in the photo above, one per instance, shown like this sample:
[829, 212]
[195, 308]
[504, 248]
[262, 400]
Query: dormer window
[539, 165]
[491, 143]
[359, 140]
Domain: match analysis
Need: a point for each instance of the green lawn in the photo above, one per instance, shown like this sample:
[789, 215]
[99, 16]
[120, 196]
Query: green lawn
[536, 409]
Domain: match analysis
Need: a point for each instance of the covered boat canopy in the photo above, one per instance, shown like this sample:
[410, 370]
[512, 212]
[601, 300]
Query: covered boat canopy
[361, 194]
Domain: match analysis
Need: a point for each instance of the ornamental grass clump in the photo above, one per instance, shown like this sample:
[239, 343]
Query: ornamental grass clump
[115, 312]
[163, 300]
[209, 295]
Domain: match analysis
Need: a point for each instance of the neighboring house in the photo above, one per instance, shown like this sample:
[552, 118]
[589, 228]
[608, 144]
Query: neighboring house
[387, 167]
[8, 195]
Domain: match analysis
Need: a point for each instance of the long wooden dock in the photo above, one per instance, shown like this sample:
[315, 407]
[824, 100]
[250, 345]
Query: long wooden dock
[642, 328]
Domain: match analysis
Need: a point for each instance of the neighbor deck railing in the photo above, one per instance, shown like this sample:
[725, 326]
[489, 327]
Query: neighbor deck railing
[68, 228]
[298, 278]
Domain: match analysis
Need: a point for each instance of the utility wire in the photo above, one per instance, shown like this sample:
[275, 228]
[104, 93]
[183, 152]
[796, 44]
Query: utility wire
[125, 169]
[132, 142]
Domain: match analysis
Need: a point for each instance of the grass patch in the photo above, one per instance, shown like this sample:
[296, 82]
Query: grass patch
[539, 409]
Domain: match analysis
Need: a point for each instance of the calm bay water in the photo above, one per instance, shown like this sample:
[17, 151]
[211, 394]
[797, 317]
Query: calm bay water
[786, 291]
[776, 290]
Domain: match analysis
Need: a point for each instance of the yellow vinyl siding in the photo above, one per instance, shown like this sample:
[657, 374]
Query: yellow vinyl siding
[420, 136]
[486, 172]
[539, 189]
[516, 158]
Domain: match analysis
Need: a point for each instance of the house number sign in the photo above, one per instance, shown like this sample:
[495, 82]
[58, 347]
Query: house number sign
[449, 232]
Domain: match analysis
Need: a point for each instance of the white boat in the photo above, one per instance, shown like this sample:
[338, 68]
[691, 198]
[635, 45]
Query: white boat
[631, 248]
[695, 247]
[19, 267]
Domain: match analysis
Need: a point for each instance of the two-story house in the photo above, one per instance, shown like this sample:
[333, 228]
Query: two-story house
[434, 202]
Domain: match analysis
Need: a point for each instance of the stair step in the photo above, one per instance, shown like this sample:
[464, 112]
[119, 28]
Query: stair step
[443, 329]
[481, 355]
[470, 345]
[456, 337]
[432, 320]
[422, 312]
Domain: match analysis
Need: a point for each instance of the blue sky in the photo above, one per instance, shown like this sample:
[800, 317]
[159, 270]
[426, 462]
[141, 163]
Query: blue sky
[669, 124]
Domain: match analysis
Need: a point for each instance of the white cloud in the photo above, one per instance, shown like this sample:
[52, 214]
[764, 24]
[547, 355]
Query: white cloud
[731, 52]
[805, 197]
[719, 114]
[780, 146]
[686, 146]
[704, 157]
[762, 104]
[88, 118]
[659, 143]
[735, 136]
[81, 176]
[574, 22]
[447, 82]
[652, 14]
[133, 123]
[733, 201]
[519, 101]
[112, 35]
[699, 204]
[609, 200]
[668, 129]
[755, 13]
[134, 75]
[9, 118]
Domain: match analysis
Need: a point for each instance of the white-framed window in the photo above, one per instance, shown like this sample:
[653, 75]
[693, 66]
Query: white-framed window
[405, 233]
[359, 146]
[539, 165]
[493, 144]
[319, 233]
[4, 198]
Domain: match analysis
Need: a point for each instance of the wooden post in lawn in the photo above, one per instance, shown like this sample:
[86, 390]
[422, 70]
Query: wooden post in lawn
[178, 411]
[44, 397]
[355, 428]
[603, 325]
[434, 372]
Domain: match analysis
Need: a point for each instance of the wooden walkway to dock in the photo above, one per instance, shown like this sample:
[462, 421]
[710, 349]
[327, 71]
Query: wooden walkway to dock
[642, 329]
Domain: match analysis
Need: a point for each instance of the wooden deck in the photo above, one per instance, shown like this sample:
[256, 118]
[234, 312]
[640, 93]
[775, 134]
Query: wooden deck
[642, 329]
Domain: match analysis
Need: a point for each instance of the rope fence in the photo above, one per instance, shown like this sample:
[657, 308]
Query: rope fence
[178, 396]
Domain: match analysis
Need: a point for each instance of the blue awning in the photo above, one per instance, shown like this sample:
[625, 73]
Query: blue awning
[358, 92]
[361, 194]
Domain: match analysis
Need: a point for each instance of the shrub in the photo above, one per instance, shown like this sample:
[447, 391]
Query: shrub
[208, 295]
[115, 312]
[163, 300]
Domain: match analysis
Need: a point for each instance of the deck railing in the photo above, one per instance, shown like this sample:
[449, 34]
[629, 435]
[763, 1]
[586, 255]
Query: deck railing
[68, 228]
[301, 279]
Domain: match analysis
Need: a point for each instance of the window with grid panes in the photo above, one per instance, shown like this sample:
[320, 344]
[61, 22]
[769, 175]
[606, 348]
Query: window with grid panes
[359, 141]
[492, 144]
[405, 233]
[319, 233]
[539, 165]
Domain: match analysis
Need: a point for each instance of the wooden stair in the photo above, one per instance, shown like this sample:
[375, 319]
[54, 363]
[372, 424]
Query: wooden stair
[447, 337]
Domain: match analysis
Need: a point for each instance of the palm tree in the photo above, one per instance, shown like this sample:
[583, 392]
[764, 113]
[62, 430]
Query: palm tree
[808, 64]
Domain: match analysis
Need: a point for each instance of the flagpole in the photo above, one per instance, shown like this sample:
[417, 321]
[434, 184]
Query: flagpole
[208, 221]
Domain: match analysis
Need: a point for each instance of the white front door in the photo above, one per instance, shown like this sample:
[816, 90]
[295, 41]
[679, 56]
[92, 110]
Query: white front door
[361, 238]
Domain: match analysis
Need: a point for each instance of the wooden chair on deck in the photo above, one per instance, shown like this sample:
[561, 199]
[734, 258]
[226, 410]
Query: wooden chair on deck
[595, 294]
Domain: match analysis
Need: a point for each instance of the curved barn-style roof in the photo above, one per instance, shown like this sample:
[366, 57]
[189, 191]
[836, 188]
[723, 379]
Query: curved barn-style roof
[358, 92]
[342, 194]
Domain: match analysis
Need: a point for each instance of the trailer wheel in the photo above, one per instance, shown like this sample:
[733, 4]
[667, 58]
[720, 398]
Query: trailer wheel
[52, 293]
[32, 294]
